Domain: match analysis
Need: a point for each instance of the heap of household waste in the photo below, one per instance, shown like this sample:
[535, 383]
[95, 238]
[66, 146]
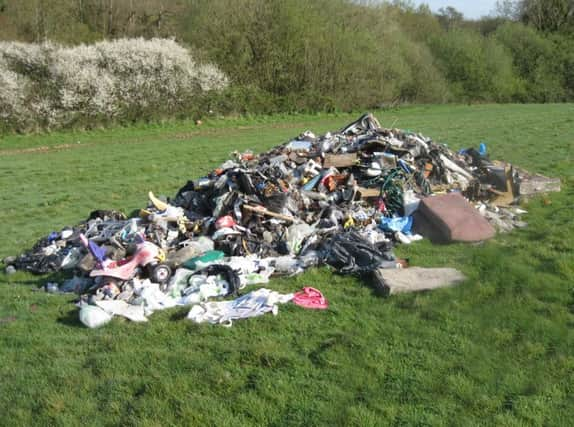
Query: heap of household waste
[342, 199]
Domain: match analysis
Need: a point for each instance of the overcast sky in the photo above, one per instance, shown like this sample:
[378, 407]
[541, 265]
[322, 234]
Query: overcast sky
[472, 9]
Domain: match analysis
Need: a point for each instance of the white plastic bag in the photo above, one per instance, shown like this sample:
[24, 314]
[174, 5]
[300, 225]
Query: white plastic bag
[94, 317]
[295, 235]
[410, 202]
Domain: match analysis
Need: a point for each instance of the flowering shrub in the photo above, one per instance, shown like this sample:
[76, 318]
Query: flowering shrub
[50, 86]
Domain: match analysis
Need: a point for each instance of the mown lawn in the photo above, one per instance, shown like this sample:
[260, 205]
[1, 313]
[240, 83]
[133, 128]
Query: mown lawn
[498, 350]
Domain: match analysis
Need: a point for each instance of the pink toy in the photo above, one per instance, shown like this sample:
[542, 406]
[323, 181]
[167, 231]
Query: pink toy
[147, 255]
[311, 298]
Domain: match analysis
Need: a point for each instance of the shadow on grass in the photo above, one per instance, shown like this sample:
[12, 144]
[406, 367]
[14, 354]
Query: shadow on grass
[179, 314]
[71, 319]
[35, 281]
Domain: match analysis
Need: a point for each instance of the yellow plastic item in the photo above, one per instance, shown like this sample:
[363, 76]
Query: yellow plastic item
[161, 255]
[160, 205]
[349, 223]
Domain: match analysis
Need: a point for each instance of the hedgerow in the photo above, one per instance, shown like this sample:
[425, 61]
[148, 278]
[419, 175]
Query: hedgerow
[48, 86]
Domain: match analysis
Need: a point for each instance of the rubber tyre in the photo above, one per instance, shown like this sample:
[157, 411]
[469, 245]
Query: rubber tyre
[160, 273]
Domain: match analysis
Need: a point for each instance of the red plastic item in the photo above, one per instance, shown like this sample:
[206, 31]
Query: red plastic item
[226, 221]
[247, 156]
[311, 298]
[381, 206]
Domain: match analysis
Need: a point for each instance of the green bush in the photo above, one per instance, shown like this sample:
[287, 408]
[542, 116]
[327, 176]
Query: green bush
[564, 50]
[477, 68]
[320, 55]
[280, 56]
[48, 86]
[537, 62]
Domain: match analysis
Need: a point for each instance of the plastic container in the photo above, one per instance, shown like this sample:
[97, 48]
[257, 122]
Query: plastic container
[207, 258]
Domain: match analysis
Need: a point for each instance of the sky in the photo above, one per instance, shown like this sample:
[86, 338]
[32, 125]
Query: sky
[472, 9]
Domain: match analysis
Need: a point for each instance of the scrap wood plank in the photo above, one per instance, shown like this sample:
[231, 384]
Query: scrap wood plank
[262, 211]
[340, 160]
[531, 185]
[369, 193]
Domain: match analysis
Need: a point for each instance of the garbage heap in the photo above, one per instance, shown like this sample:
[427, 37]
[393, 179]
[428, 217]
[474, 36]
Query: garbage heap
[342, 199]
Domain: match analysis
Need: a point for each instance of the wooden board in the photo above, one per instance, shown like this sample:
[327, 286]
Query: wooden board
[340, 160]
[369, 193]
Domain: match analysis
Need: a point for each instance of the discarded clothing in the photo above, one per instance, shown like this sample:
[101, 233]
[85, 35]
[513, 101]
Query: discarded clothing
[253, 304]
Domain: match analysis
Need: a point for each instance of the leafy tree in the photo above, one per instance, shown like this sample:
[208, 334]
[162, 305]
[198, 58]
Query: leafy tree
[544, 15]
[477, 68]
[449, 17]
[536, 61]
[548, 15]
[507, 9]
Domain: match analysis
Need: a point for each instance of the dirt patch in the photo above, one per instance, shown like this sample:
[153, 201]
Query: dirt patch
[180, 136]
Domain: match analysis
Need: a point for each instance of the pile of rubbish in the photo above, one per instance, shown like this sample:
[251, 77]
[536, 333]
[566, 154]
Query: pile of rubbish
[343, 199]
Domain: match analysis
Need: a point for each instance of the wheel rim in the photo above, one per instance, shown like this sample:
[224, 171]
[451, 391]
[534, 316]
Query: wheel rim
[162, 274]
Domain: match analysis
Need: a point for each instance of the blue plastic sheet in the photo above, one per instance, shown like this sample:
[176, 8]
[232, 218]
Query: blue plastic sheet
[403, 224]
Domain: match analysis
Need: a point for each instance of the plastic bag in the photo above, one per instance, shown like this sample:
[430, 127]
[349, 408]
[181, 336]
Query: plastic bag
[410, 202]
[351, 253]
[201, 288]
[94, 317]
[226, 272]
[288, 265]
[178, 282]
[402, 224]
[295, 235]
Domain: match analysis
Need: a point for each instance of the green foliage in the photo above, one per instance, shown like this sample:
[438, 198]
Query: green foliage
[86, 21]
[548, 15]
[565, 59]
[322, 51]
[420, 24]
[476, 67]
[327, 55]
[292, 58]
[540, 61]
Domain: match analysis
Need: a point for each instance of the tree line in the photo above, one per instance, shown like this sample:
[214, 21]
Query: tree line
[323, 55]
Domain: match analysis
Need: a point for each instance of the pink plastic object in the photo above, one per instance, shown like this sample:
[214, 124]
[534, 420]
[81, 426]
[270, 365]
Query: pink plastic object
[311, 298]
[226, 221]
[125, 269]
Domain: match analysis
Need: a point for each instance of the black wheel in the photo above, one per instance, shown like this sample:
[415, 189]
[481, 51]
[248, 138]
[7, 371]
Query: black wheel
[160, 273]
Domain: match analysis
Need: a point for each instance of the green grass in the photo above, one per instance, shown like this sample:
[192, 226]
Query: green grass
[498, 350]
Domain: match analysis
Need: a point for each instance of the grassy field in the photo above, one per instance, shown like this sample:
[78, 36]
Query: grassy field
[498, 350]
